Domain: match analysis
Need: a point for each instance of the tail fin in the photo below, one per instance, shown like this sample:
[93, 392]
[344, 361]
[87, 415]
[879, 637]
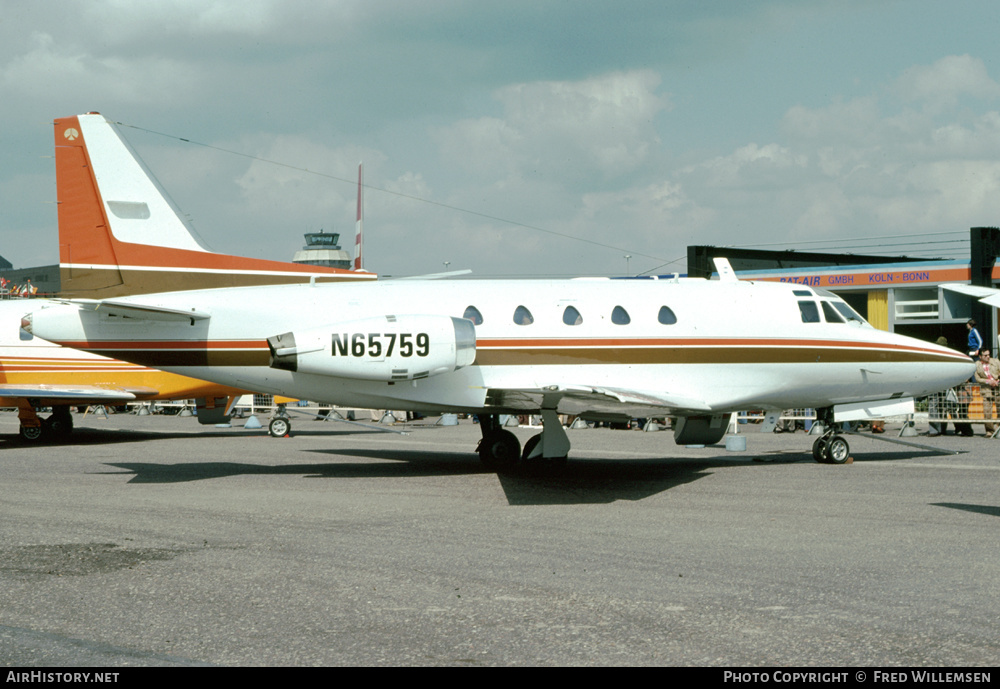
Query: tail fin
[358, 243]
[120, 234]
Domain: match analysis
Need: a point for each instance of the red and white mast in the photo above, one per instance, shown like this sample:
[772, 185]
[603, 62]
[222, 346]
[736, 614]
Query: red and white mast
[358, 226]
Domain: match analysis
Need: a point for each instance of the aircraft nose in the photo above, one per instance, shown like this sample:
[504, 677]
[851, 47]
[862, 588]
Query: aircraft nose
[26, 323]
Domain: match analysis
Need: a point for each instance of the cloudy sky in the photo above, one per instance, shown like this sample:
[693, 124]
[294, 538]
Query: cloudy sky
[522, 137]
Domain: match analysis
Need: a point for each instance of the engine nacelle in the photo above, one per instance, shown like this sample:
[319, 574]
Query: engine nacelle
[700, 430]
[385, 348]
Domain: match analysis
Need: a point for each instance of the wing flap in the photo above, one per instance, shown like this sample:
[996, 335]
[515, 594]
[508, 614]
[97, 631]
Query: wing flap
[581, 399]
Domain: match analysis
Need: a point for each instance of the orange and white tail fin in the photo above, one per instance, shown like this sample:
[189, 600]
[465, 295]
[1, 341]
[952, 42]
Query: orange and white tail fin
[358, 242]
[120, 234]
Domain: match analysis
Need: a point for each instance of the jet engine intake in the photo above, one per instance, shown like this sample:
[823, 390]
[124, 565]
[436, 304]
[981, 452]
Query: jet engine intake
[384, 348]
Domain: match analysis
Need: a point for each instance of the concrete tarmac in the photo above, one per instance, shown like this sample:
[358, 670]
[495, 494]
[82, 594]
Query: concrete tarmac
[156, 541]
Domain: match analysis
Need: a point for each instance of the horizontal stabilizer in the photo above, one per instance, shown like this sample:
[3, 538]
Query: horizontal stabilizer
[437, 276]
[145, 311]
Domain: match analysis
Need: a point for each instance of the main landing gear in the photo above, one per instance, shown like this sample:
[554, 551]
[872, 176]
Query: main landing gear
[500, 450]
[33, 429]
[830, 448]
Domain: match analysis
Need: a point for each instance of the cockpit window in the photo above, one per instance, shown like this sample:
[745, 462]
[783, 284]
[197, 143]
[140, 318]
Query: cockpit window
[522, 316]
[850, 314]
[666, 316]
[831, 314]
[809, 312]
[571, 316]
[472, 314]
[620, 316]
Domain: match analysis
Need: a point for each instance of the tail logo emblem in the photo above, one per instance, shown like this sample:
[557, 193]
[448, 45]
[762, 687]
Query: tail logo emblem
[71, 134]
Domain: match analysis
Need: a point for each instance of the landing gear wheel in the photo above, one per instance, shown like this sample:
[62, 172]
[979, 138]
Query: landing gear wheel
[60, 424]
[279, 427]
[837, 450]
[819, 450]
[30, 434]
[499, 450]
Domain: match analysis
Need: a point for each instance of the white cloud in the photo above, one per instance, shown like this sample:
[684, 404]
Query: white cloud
[62, 73]
[124, 20]
[751, 166]
[854, 122]
[603, 125]
[940, 85]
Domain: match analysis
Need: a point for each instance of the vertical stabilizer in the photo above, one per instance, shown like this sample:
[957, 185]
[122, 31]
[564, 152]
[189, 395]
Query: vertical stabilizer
[119, 233]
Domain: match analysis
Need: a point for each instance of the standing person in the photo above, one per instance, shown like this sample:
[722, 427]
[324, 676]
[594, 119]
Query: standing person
[988, 377]
[975, 339]
[964, 394]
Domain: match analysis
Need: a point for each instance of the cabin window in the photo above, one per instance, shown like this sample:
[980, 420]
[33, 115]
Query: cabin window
[619, 316]
[522, 316]
[666, 316]
[831, 314]
[472, 314]
[809, 312]
[571, 316]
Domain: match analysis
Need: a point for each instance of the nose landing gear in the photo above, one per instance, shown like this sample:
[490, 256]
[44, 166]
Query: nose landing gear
[830, 448]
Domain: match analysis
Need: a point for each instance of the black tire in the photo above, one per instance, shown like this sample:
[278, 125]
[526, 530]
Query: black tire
[60, 424]
[838, 451]
[30, 434]
[279, 427]
[500, 451]
[819, 450]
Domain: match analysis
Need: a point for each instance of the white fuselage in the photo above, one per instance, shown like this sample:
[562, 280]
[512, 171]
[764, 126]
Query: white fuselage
[38, 370]
[721, 345]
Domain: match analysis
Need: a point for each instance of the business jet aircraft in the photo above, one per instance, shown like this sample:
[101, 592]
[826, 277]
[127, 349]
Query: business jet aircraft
[693, 349]
[118, 234]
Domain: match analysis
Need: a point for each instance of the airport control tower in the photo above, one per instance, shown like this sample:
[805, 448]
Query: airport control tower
[322, 250]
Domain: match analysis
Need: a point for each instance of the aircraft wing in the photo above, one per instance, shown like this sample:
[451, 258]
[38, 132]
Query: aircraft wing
[75, 393]
[581, 399]
[986, 295]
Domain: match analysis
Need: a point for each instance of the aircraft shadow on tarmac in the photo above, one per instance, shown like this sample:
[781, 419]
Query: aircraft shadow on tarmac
[591, 481]
[581, 481]
[991, 510]
[109, 436]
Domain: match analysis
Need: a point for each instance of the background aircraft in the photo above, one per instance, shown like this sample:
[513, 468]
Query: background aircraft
[118, 234]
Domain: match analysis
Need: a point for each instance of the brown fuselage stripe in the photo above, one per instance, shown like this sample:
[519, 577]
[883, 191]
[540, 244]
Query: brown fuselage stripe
[159, 355]
[686, 355]
[159, 358]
